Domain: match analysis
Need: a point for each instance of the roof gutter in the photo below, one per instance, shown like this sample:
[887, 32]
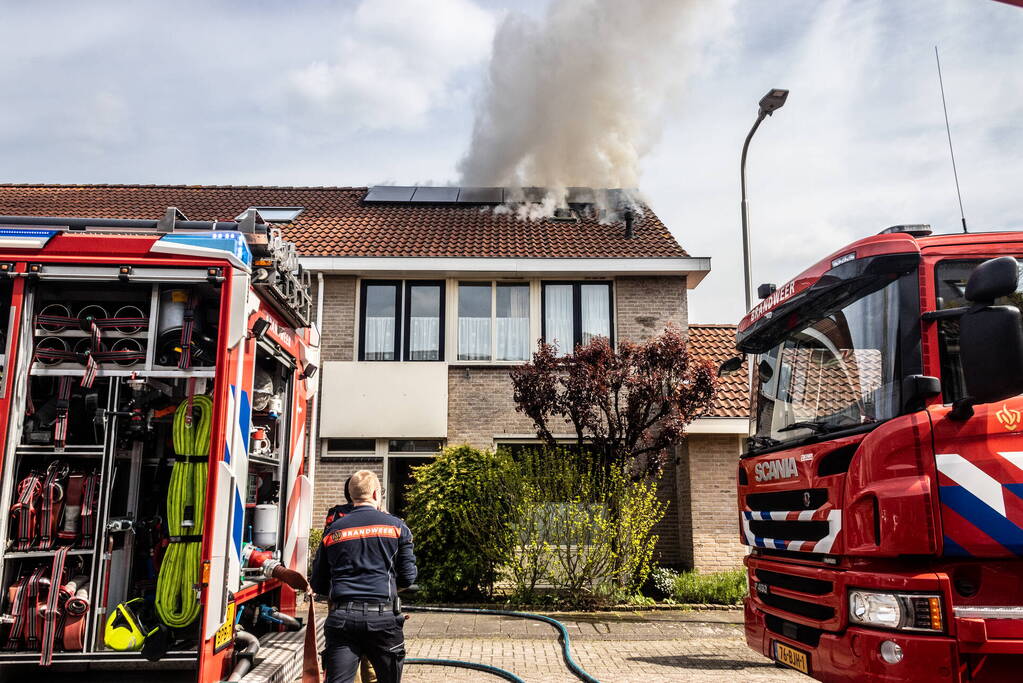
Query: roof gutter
[694, 269]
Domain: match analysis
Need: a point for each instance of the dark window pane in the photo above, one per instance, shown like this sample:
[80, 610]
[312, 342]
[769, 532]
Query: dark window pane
[399, 478]
[415, 445]
[352, 445]
[474, 321]
[424, 322]
[380, 322]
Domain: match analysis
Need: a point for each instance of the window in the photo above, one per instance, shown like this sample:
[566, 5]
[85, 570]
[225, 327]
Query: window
[415, 445]
[951, 277]
[424, 309]
[275, 214]
[576, 312]
[351, 446]
[493, 321]
[416, 335]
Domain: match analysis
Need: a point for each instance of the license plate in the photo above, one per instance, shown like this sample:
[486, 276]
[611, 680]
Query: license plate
[791, 657]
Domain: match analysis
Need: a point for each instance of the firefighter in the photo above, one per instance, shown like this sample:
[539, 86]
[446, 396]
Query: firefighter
[365, 557]
[366, 674]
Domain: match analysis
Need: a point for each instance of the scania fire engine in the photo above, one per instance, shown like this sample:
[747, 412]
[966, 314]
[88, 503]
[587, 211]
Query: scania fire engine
[155, 375]
[881, 489]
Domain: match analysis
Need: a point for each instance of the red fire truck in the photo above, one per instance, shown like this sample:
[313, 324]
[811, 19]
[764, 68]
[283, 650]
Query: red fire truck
[155, 376]
[881, 491]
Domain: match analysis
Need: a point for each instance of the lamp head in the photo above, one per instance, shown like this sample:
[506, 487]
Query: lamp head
[774, 99]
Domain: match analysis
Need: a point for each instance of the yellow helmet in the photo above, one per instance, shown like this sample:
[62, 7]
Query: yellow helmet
[125, 631]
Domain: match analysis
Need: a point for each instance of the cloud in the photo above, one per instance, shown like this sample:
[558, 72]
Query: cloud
[394, 62]
[859, 146]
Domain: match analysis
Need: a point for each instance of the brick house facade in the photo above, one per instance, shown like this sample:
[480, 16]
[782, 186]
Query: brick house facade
[382, 408]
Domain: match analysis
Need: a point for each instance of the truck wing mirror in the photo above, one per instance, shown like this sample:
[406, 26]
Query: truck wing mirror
[991, 337]
[992, 279]
[991, 352]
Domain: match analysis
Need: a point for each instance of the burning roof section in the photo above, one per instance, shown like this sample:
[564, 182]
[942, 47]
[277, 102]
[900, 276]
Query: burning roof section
[385, 221]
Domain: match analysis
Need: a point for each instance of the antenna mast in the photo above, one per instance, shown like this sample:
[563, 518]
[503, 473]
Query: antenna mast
[948, 132]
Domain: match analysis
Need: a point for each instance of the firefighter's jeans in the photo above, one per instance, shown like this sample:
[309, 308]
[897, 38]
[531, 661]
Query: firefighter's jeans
[352, 635]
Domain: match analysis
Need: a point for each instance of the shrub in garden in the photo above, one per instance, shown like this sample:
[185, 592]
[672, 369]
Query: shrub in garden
[582, 527]
[721, 588]
[461, 517]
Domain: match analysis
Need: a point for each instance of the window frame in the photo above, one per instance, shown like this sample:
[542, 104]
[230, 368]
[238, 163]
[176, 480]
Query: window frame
[364, 286]
[441, 286]
[493, 284]
[327, 452]
[577, 310]
[402, 317]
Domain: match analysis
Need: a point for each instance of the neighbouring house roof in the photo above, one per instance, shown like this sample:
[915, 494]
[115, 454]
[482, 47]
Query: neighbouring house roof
[716, 343]
[336, 222]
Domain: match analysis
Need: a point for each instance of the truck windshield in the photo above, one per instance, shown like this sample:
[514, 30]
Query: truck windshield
[836, 372]
[950, 278]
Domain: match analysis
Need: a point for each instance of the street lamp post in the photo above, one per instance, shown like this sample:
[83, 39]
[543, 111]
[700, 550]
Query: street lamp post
[773, 100]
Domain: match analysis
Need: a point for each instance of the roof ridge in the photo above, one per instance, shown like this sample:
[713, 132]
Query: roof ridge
[158, 186]
[715, 325]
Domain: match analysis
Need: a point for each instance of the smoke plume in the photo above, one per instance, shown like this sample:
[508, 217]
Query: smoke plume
[577, 99]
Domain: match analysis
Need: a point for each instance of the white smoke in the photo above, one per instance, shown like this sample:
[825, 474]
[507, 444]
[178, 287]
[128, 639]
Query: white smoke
[578, 99]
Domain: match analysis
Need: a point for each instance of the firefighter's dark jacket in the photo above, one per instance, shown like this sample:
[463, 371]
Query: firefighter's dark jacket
[366, 556]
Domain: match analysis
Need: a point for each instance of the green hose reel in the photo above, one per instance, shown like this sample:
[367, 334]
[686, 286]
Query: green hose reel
[176, 602]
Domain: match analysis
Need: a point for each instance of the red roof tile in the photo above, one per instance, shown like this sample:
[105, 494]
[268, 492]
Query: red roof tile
[336, 222]
[716, 343]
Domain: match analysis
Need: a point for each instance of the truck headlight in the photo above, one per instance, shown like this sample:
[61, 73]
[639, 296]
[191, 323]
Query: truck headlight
[902, 611]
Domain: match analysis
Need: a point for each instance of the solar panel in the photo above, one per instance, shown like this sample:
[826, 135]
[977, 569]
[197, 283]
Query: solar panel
[481, 195]
[580, 195]
[435, 195]
[389, 193]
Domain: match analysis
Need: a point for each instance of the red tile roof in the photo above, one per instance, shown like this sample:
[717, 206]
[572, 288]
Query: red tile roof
[336, 222]
[717, 344]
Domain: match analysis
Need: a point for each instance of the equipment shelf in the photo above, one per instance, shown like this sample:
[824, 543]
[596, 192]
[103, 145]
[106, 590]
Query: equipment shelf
[28, 554]
[78, 371]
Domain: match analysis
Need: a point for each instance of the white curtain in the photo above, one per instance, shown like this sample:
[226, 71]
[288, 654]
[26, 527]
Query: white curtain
[558, 317]
[473, 338]
[596, 311]
[379, 339]
[513, 339]
[424, 338]
[513, 328]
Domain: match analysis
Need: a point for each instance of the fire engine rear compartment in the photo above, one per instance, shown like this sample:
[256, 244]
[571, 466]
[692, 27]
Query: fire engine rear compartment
[108, 448]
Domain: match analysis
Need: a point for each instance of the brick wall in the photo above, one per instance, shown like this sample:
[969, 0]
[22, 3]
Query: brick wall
[337, 333]
[331, 473]
[708, 507]
[480, 406]
[646, 305]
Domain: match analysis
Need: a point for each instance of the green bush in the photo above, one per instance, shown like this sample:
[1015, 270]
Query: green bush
[315, 536]
[460, 513]
[723, 588]
[581, 528]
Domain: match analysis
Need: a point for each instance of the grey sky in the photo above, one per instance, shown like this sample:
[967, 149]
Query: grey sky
[356, 93]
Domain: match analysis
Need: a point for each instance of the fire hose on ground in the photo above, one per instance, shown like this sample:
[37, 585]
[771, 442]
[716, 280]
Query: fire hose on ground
[176, 603]
[566, 643]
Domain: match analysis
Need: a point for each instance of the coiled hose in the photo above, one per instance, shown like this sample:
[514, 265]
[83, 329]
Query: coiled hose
[566, 642]
[176, 603]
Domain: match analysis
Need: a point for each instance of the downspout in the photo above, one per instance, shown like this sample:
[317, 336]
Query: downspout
[314, 428]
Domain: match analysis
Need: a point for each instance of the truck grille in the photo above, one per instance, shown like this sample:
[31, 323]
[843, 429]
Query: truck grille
[807, 531]
[803, 634]
[788, 500]
[792, 582]
[810, 610]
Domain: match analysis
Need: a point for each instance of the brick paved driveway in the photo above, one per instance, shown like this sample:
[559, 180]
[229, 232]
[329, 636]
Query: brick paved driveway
[613, 647]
